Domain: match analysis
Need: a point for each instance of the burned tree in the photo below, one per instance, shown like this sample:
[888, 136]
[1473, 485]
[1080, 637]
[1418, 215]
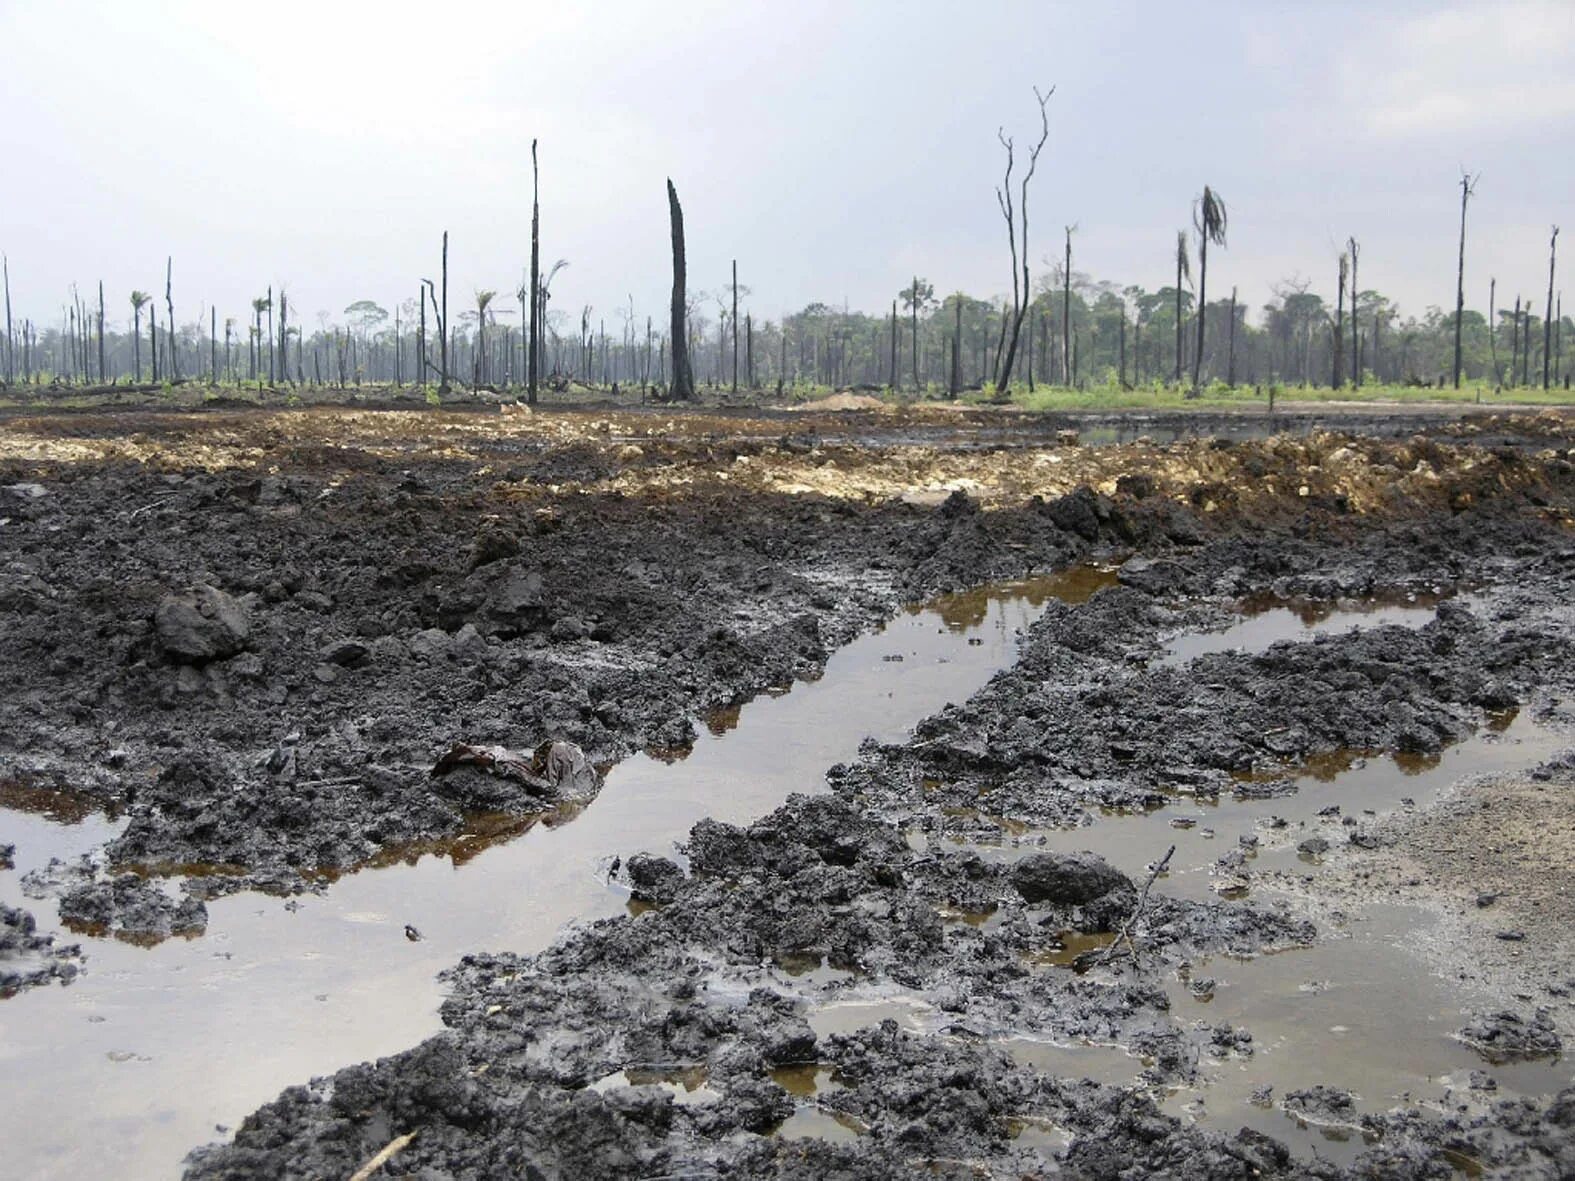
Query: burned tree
[169, 301]
[440, 318]
[1354, 249]
[533, 361]
[1209, 219]
[683, 385]
[1468, 185]
[1183, 271]
[1547, 321]
[1021, 296]
[1337, 379]
[1066, 311]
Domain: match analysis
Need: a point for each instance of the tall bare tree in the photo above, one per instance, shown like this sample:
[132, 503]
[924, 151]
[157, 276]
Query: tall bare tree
[1066, 311]
[440, 318]
[1547, 320]
[103, 373]
[169, 300]
[1183, 271]
[533, 363]
[1354, 249]
[1337, 379]
[1209, 219]
[1468, 185]
[1493, 328]
[1022, 295]
[683, 386]
[10, 340]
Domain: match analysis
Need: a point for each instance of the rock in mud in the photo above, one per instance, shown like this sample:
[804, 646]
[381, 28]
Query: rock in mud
[201, 624]
[7, 852]
[28, 959]
[131, 907]
[1069, 879]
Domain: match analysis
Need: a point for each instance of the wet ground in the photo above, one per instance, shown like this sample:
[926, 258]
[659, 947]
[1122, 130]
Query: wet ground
[1277, 656]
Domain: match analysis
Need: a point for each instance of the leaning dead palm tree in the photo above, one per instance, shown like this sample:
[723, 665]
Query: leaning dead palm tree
[1209, 219]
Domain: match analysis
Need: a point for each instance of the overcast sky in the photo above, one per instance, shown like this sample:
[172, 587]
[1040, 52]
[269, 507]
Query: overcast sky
[835, 148]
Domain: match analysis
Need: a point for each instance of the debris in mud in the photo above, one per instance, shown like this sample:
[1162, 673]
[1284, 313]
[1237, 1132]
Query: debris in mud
[28, 959]
[553, 771]
[7, 852]
[1509, 1037]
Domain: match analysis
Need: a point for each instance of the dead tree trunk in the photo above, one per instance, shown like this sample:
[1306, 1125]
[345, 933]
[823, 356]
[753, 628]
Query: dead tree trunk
[894, 385]
[1467, 186]
[955, 384]
[1338, 377]
[735, 325]
[533, 362]
[1066, 311]
[284, 336]
[1356, 332]
[683, 386]
[1230, 363]
[10, 340]
[1547, 322]
[103, 372]
[169, 301]
[1498, 377]
[1514, 345]
[918, 385]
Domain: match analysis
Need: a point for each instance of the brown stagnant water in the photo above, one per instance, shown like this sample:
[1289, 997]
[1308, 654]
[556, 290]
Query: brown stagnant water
[151, 1050]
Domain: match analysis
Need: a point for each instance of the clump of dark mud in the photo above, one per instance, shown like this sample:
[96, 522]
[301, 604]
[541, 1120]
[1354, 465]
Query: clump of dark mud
[1509, 1037]
[1090, 717]
[28, 959]
[131, 907]
[712, 985]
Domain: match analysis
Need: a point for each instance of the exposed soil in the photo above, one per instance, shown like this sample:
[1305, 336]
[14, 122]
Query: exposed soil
[253, 634]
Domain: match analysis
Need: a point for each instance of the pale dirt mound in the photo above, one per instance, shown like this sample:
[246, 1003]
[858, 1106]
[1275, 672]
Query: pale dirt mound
[843, 402]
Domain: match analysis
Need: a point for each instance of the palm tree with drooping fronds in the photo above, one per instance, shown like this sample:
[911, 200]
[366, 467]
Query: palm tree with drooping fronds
[1209, 219]
[260, 305]
[139, 300]
[483, 302]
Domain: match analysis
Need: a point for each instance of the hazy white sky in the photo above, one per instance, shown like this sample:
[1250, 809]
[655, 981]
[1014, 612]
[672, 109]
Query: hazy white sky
[835, 148]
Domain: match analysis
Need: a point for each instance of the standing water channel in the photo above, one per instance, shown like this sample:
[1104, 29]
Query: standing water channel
[155, 1050]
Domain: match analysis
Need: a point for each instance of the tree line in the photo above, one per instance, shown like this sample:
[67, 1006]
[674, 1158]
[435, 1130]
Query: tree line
[1062, 328]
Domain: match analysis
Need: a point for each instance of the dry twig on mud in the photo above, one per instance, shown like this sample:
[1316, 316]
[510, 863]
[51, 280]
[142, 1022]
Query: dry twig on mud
[384, 1155]
[1137, 911]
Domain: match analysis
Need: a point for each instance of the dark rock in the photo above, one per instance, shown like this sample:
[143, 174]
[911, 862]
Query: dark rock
[1070, 879]
[200, 625]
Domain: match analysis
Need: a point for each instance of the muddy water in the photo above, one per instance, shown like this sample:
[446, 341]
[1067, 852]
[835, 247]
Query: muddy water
[1361, 1009]
[1266, 622]
[155, 1050]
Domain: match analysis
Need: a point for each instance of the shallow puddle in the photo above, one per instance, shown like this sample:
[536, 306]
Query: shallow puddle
[1355, 1011]
[1265, 622]
[153, 1048]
